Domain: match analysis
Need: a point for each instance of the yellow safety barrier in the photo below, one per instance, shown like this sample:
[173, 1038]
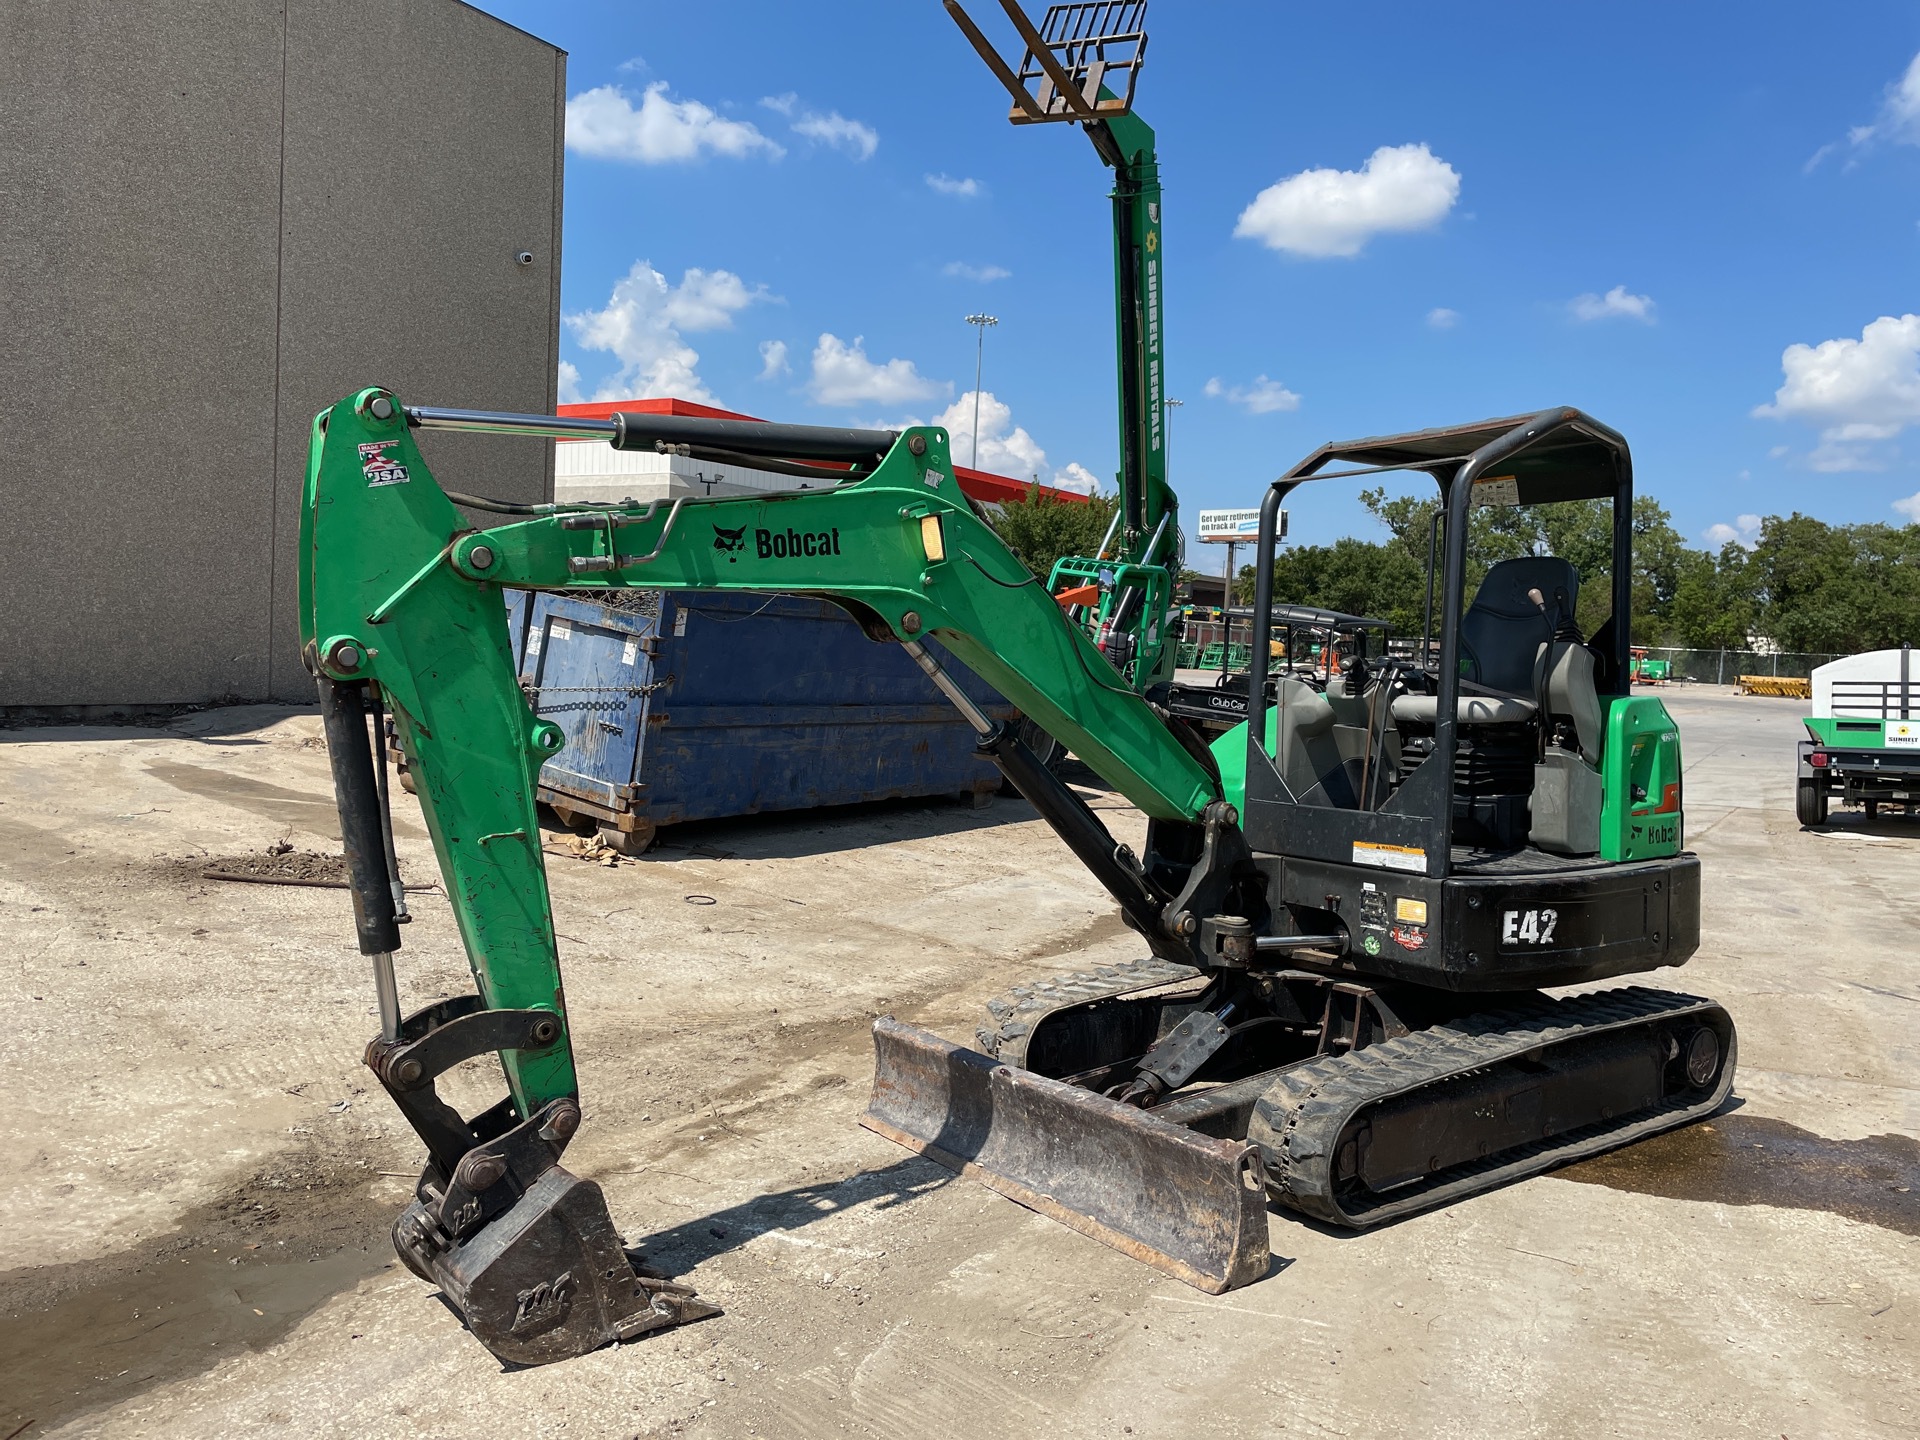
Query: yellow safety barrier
[1788, 687]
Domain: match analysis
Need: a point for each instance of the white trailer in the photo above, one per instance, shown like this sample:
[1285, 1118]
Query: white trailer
[1864, 745]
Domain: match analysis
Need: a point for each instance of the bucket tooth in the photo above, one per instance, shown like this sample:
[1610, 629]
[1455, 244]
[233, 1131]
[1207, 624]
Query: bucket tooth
[1189, 1205]
[547, 1279]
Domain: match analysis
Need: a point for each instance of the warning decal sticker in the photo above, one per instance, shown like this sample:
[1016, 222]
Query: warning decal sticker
[1390, 857]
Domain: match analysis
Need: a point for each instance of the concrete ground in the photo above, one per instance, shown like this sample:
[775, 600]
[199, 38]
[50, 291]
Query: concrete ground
[200, 1174]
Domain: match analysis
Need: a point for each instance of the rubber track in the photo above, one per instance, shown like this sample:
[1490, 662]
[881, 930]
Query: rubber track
[1298, 1123]
[1012, 1019]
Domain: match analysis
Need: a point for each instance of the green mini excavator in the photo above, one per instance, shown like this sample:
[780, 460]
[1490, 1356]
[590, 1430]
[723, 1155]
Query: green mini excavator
[1349, 905]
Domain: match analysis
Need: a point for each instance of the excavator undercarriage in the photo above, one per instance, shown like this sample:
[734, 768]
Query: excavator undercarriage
[1350, 1104]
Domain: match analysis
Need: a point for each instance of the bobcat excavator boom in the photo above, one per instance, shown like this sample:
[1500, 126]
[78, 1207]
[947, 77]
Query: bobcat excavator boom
[401, 613]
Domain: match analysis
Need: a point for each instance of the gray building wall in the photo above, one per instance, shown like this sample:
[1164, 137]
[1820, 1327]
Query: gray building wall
[216, 218]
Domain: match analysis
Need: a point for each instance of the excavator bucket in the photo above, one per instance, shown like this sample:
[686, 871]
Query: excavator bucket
[1184, 1203]
[545, 1280]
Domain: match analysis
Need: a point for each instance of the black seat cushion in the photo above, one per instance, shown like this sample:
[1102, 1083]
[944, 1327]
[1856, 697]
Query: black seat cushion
[1503, 630]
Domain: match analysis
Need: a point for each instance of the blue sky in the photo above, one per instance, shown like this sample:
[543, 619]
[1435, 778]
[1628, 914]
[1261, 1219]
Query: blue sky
[1636, 208]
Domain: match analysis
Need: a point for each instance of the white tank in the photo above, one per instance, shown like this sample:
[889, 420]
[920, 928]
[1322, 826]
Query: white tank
[1869, 685]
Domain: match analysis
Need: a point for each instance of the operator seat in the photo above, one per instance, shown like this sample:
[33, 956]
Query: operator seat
[1501, 636]
[1306, 751]
[1368, 740]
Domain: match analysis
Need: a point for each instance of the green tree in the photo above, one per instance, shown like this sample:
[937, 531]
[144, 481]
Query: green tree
[1836, 588]
[1040, 529]
[1713, 604]
[1358, 577]
[1805, 585]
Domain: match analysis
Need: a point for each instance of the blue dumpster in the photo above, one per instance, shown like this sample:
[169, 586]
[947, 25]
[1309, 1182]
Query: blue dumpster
[519, 607]
[691, 705]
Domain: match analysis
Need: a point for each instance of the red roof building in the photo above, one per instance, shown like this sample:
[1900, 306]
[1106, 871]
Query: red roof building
[978, 484]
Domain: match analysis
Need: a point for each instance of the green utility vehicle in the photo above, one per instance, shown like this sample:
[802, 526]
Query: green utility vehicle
[1306, 643]
[1864, 745]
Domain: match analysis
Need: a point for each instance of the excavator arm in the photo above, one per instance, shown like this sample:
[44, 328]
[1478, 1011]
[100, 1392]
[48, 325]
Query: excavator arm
[401, 612]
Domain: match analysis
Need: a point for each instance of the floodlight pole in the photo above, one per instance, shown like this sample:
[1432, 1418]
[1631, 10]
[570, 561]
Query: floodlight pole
[1167, 407]
[979, 322]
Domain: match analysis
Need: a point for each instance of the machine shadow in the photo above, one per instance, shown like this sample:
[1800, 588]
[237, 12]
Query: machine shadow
[829, 830]
[225, 725]
[680, 1248]
[834, 829]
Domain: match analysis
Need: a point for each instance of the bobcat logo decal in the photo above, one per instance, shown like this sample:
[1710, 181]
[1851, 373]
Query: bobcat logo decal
[730, 542]
[545, 1305]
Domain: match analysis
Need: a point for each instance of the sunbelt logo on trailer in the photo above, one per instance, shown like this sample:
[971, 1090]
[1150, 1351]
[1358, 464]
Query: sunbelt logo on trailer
[795, 544]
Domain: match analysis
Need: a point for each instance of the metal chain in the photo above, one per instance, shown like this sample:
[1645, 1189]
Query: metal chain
[535, 695]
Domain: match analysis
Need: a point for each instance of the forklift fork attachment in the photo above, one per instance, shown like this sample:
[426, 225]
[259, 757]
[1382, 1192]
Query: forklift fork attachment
[1189, 1205]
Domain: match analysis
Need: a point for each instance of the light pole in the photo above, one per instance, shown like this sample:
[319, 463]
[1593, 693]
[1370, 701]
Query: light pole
[1167, 407]
[980, 322]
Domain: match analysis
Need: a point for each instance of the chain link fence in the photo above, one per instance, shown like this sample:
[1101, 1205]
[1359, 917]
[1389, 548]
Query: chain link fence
[1723, 667]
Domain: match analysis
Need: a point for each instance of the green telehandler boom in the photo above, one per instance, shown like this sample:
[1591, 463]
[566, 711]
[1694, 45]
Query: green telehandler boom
[1074, 59]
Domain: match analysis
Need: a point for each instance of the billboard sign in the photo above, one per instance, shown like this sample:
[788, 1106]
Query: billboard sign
[1235, 527]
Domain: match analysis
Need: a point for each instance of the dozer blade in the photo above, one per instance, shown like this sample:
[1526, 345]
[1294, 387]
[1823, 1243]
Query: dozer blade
[548, 1278]
[1189, 1205]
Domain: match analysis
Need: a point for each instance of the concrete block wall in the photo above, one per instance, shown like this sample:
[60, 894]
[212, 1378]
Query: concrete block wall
[217, 217]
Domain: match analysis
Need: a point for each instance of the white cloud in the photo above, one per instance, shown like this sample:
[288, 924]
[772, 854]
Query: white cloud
[1262, 397]
[843, 375]
[966, 189]
[603, 122]
[1861, 393]
[1845, 383]
[984, 274]
[709, 299]
[831, 128]
[1441, 318]
[1840, 457]
[1813, 161]
[1744, 532]
[570, 383]
[1076, 477]
[1899, 117]
[1909, 507]
[773, 359]
[641, 326]
[1321, 213]
[1617, 304]
[1005, 448]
